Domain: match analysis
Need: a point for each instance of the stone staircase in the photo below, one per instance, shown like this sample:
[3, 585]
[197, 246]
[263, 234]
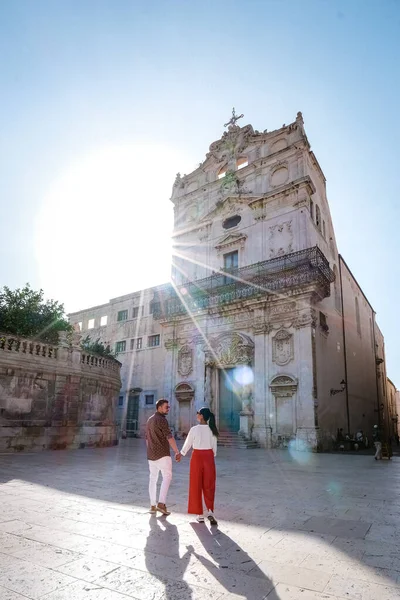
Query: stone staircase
[229, 439]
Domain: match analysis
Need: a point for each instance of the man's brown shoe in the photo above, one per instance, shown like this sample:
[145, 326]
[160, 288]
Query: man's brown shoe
[163, 509]
[153, 510]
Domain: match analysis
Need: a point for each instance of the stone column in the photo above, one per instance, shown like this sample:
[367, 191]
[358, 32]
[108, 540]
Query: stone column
[170, 380]
[198, 375]
[262, 425]
[307, 433]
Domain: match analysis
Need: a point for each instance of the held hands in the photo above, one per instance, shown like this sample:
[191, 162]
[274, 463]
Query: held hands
[178, 457]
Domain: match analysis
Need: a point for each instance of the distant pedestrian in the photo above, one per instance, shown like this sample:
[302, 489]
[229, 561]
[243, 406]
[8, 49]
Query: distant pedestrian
[159, 440]
[377, 438]
[203, 439]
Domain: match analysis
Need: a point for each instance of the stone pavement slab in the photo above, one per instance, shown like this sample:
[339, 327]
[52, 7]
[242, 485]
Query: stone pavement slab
[74, 525]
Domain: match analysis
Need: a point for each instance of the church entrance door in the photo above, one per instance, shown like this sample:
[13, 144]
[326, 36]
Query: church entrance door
[230, 404]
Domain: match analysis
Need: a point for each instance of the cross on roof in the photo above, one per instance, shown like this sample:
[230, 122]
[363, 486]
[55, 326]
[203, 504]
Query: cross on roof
[234, 118]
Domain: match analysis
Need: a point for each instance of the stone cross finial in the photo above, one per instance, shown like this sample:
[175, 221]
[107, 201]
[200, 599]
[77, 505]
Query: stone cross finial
[234, 118]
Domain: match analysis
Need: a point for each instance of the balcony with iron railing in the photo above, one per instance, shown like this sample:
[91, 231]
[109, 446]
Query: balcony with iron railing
[276, 275]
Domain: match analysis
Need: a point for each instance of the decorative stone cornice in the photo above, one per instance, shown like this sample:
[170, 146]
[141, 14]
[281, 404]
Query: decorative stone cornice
[231, 240]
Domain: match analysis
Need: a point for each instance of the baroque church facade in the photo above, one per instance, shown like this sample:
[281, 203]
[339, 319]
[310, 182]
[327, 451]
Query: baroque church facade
[262, 320]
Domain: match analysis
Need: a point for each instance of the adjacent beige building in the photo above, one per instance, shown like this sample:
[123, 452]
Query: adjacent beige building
[262, 319]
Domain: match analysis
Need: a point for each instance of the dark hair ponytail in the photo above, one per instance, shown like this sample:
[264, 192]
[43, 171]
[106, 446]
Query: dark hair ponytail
[212, 425]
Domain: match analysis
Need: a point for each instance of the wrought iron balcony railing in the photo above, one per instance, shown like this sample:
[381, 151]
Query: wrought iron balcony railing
[269, 276]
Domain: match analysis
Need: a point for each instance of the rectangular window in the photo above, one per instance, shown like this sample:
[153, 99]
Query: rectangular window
[323, 322]
[103, 321]
[137, 310]
[155, 308]
[120, 346]
[231, 260]
[122, 315]
[136, 344]
[90, 323]
[80, 325]
[149, 399]
[121, 401]
[153, 340]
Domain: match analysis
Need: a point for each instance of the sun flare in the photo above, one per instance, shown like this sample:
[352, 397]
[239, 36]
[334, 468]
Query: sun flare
[104, 228]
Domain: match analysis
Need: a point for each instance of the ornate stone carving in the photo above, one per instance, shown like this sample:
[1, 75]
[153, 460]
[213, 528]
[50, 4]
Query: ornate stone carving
[280, 239]
[282, 348]
[232, 349]
[230, 240]
[184, 392]
[305, 319]
[170, 343]
[231, 144]
[185, 361]
[277, 309]
[283, 385]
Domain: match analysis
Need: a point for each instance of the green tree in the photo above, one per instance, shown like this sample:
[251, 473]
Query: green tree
[97, 347]
[24, 313]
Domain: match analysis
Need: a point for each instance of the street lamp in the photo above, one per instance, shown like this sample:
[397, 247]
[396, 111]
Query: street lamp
[343, 384]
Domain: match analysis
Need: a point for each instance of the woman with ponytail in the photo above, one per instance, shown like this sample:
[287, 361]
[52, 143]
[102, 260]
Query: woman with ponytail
[203, 439]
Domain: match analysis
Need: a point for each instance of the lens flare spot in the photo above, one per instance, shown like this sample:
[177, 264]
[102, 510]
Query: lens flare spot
[243, 375]
[298, 451]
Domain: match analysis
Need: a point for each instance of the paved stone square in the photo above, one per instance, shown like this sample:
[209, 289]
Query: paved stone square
[74, 525]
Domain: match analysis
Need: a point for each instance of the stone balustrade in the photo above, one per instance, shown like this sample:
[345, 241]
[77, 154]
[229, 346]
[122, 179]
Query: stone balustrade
[56, 396]
[10, 343]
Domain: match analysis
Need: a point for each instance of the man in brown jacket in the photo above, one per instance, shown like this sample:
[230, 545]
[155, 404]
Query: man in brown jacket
[159, 440]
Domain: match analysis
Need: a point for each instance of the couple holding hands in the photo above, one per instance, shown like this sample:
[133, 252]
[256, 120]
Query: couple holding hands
[203, 439]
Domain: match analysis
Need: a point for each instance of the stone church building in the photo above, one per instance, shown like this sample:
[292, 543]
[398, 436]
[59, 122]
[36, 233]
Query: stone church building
[262, 319]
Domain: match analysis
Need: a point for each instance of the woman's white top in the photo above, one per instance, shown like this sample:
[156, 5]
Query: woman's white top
[200, 437]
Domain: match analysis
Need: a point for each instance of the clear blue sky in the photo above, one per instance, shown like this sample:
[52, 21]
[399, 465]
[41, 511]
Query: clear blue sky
[80, 77]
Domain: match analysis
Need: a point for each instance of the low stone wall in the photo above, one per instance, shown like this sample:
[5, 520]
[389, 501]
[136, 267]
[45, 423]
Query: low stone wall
[56, 397]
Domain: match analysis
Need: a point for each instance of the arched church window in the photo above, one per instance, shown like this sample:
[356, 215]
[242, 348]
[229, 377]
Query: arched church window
[241, 163]
[231, 222]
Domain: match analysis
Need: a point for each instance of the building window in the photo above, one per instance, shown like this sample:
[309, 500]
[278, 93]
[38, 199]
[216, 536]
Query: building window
[241, 163]
[138, 310]
[121, 401]
[231, 260]
[312, 209]
[80, 325]
[323, 229]
[90, 323]
[222, 173]
[153, 340]
[231, 222]
[103, 321]
[136, 344]
[149, 399]
[323, 322]
[122, 315]
[155, 308]
[317, 217]
[358, 321]
[120, 346]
